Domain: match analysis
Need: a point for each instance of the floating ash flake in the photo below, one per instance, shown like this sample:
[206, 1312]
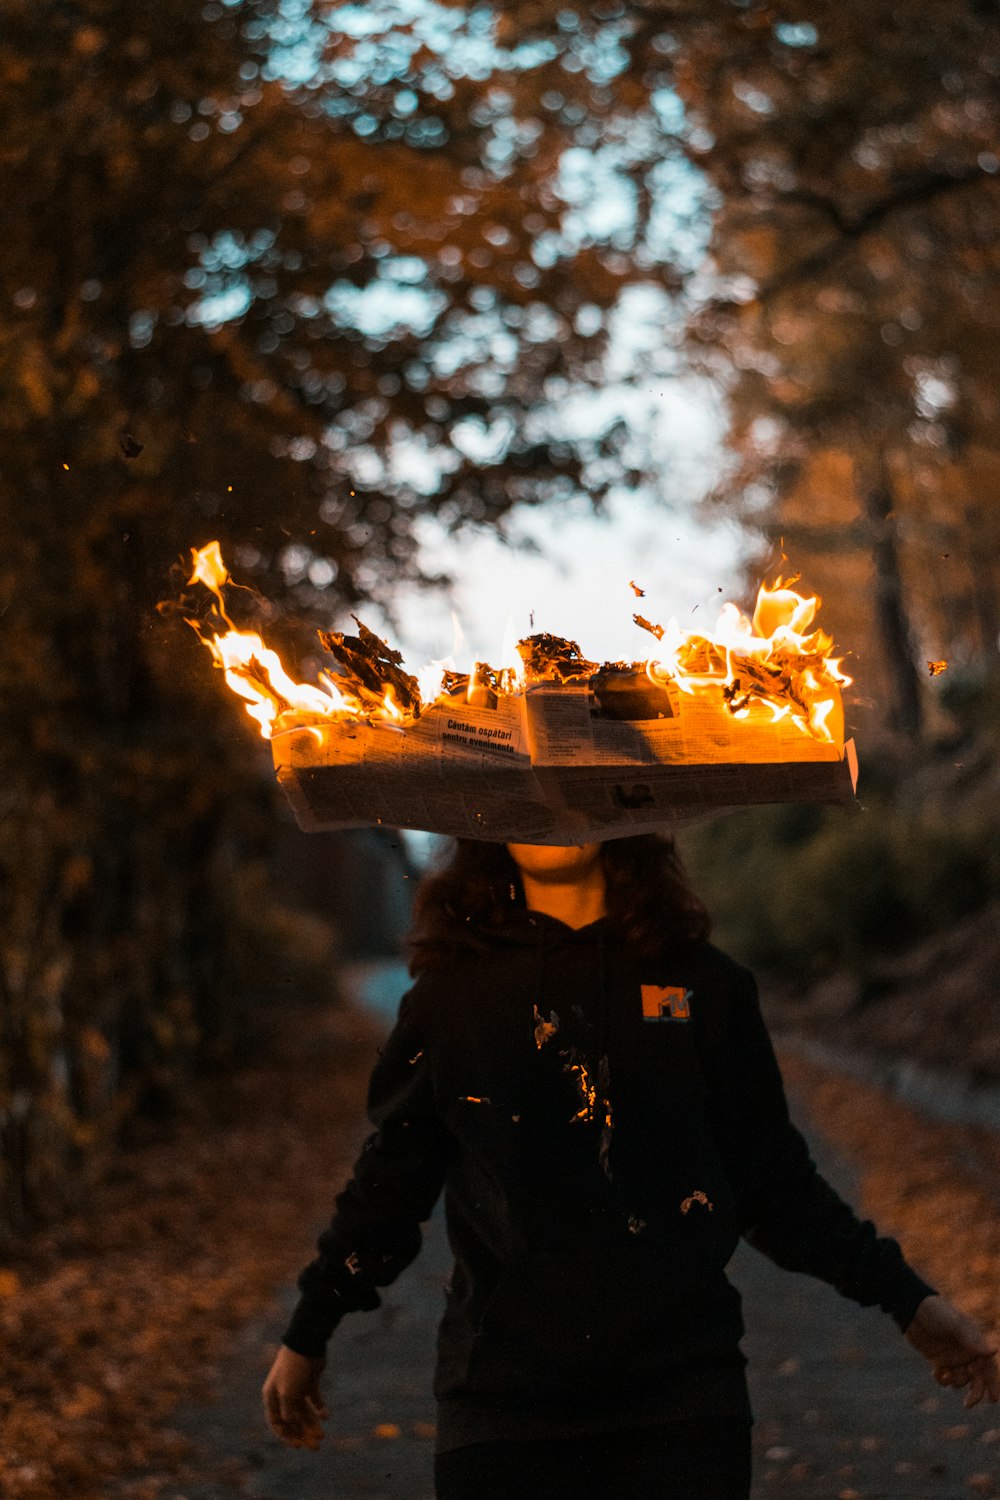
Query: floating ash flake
[635, 1224]
[474, 1099]
[644, 624]
[696, 1197]
[637, 591]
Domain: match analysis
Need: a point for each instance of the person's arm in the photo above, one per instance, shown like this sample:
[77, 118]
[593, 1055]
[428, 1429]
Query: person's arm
[786, 1209]
[375, 1229]
[791, 1214]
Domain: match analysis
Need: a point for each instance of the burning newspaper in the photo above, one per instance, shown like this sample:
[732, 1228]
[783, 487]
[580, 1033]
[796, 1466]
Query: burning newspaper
[553, 748]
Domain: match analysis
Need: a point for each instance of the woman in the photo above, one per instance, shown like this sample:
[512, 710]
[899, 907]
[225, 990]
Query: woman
[591, 1083]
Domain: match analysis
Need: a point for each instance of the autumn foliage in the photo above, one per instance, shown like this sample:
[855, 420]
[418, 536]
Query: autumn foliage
[246, 296]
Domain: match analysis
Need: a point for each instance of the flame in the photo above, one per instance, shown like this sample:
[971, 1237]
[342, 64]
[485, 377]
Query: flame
[393, 711]
[431, 678]
[781, 612]
[253, 671]
[209, 569]
[769, 658]
[775, 660]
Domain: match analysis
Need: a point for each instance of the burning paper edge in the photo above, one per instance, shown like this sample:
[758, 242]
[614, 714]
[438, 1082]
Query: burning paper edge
[565, 786]
[781, 615]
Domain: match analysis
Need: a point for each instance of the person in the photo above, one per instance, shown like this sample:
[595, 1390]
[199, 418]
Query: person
[591, 1083]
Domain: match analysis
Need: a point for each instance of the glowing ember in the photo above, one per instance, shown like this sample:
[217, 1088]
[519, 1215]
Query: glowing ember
[776, 659]
[935, 668]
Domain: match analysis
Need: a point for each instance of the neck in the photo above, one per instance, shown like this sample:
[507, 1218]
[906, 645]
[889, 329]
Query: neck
[576, 902]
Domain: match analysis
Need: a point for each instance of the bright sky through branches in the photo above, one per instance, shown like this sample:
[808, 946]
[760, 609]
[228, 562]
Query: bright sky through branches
[573, 577]
[576, 579]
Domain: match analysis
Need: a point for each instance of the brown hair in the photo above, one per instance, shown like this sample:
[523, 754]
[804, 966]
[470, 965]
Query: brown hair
[649, 901]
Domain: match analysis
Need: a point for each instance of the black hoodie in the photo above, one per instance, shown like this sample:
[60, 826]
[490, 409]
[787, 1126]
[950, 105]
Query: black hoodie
[605, 1130]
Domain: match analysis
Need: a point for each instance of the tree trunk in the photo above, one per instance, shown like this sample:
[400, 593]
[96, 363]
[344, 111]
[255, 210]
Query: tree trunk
[893, 626]
[982, 562]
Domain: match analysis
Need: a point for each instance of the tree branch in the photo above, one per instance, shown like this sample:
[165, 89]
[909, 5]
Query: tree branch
[922, 189]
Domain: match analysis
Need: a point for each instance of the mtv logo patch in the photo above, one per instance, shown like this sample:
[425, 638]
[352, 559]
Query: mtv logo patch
[671, 1002]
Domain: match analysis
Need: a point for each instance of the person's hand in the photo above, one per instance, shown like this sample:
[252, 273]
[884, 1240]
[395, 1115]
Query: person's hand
[292, 1402]
[958, 1349]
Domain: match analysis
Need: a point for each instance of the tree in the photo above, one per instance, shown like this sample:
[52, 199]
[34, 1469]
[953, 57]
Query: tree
[289, 285]
[854, 311]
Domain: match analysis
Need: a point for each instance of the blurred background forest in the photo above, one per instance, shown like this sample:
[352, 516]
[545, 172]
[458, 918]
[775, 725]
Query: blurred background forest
[309, 276]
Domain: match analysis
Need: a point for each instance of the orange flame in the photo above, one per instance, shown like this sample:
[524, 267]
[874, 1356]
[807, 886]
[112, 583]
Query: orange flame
[209, 569]
[252, 669]
[769, 658]
[775, 660]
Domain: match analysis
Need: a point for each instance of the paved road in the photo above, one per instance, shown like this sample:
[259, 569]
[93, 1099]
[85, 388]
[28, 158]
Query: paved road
[845, 1409]
[843, 1406]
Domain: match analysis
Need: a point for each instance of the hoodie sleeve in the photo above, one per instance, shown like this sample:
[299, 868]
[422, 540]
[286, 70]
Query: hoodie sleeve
[374, 1233]
[786, 1209]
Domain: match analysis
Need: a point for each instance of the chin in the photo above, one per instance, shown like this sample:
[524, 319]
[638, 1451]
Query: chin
[554, 861]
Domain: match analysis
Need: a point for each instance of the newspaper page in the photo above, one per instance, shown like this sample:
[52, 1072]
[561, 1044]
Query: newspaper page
[646, 723]
[461, 769]
[556, 764]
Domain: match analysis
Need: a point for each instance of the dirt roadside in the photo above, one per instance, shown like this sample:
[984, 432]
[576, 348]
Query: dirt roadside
[114, 1318]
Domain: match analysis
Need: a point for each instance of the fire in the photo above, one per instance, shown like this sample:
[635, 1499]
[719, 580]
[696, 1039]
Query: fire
[251, 668]
[393, 711]
[775, 659]
[209, 569]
